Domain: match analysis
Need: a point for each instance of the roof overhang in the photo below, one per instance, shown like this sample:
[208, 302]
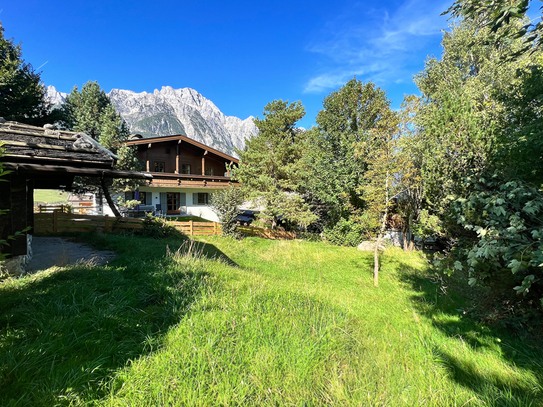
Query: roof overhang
[88, 172]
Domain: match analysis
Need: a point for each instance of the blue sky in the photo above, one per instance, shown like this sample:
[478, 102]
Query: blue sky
[239, 54]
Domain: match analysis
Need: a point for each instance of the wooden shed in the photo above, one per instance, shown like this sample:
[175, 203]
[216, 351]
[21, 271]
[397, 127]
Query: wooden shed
[44, 158]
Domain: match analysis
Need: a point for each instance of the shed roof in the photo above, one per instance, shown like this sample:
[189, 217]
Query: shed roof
[48, 153]
[36, 145]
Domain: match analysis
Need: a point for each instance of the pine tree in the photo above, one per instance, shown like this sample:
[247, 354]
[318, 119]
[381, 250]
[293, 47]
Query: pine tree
[90, 111]
[271, 170]
[22, 94]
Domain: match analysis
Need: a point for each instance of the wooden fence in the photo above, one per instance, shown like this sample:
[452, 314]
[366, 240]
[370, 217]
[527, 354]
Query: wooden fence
[57, 221]
[51, 208]
[83, 210]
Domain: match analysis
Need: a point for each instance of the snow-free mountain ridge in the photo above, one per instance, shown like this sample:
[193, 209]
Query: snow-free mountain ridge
[176, 111]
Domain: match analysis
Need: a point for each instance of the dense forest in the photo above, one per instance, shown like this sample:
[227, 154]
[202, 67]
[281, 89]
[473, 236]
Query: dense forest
[460, 162]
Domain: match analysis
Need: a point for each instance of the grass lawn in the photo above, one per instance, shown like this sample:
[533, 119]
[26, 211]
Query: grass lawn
[254, 322]
[51, 196]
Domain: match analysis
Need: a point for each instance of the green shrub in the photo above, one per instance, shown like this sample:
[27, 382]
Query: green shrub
[503, 244]
[157, 228]
[226, 203]
[346, 232]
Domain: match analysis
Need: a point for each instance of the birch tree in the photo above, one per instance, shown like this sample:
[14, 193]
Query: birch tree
[380, 184]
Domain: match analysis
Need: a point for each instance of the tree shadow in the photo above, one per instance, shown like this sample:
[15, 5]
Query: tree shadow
[446, 302]
[65, 332]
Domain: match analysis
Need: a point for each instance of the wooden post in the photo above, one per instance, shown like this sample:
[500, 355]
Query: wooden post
[106, 224]
[203, 165]
[30, 205]
[55, 222]
[190, 224]
[214, 228]
[177, 159]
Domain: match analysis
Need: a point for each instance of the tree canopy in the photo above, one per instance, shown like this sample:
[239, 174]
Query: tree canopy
[271, 169]
[90, 111]
[22, 94]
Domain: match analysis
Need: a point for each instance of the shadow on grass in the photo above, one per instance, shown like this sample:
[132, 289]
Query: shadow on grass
[64, 332]
[445, 304]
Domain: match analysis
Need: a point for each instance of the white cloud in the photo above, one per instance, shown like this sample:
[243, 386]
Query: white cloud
[376, 44]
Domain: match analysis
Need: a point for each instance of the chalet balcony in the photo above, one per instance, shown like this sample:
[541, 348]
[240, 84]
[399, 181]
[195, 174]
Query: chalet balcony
[164, 179]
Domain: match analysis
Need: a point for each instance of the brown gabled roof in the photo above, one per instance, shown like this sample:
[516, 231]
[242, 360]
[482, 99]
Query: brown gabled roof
[185, 139]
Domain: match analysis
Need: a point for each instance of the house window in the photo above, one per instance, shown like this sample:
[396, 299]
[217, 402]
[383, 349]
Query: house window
[159, 166]
[202, 198]
[143, 197]
[185, 169]
[209, 171]
[131, 195]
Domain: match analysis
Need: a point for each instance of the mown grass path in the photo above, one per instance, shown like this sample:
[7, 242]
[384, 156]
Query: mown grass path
[254, 322]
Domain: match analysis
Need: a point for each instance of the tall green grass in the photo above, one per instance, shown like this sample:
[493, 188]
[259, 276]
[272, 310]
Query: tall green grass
[252, 322]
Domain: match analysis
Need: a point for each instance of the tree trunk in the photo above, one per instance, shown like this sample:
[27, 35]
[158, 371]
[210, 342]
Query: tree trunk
[407, 240]
[379, 238]
[376, 260]
[108, 198]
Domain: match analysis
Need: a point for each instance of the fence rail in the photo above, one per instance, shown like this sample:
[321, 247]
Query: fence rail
[267, 233]
[65, 209]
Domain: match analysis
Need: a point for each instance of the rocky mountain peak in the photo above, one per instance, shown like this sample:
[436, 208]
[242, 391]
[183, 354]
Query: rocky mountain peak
[171, 111]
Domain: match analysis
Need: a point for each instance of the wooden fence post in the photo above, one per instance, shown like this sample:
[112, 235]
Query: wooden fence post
[55, 222]
[190, 222]
[214, 228]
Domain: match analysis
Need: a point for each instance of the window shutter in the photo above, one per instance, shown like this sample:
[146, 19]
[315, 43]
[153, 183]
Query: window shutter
[182, 199]
[148, 198]
[195, 198]
[164, 201]
[127, 196]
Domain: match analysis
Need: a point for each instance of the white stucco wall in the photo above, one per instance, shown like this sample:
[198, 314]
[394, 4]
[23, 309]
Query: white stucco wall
[194, 209]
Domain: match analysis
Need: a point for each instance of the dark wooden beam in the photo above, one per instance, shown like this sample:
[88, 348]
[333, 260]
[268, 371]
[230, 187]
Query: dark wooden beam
[5, 217]
[18, 213]
[91, 172]
[30, 204]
